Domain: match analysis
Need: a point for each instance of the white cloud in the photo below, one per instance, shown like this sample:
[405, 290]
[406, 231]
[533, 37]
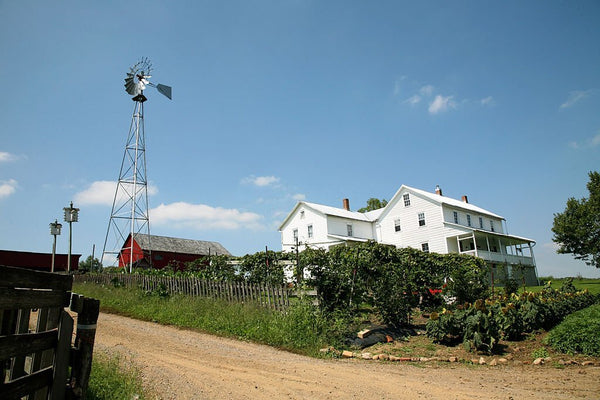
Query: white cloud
[441, 103]
[574, 97]
[413, 99]
[201, 216]
[103, 193]
[426, 90]
[7, 157]
[261, 180]
[588, 143]
[488, 101]
[7, 188]
[299, 197]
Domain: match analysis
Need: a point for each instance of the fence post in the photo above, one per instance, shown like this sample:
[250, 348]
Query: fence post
[88, 310]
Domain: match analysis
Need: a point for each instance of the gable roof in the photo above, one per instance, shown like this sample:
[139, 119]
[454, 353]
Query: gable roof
[334, 211]
[439, 199]
[176, 245]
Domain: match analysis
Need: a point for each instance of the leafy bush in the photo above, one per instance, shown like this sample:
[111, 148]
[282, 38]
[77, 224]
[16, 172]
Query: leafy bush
[483, 323]
[578, 333]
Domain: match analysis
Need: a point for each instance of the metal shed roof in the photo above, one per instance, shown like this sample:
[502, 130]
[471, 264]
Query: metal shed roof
[176, 245]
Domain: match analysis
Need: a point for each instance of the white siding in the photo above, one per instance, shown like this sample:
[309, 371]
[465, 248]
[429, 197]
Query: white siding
[411, 234]
[317, 220]
[462, 219]
[360, 229]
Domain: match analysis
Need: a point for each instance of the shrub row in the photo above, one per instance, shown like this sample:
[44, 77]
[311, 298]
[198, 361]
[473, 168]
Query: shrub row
[390, 280]
[482, 324]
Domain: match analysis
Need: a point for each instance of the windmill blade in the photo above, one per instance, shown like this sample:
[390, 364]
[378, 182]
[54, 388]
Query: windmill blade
[164, 90]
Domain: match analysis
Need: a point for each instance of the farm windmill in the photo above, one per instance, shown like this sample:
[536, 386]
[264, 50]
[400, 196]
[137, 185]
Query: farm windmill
[129, 215]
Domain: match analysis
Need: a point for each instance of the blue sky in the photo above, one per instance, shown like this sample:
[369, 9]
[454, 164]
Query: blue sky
[280, 101]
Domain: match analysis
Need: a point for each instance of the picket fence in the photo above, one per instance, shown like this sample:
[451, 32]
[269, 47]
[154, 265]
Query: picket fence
[277, 298]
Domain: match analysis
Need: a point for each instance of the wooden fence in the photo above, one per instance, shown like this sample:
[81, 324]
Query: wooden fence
[36, 336]
[277, 298]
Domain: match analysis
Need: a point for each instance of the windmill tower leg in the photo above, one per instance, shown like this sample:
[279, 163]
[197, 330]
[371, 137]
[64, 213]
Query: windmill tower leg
[129, 215]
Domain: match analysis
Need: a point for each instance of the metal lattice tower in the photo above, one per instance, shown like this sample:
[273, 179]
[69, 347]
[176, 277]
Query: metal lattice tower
[129, 215]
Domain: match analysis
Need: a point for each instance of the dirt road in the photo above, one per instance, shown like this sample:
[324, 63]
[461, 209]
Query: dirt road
[179, 364]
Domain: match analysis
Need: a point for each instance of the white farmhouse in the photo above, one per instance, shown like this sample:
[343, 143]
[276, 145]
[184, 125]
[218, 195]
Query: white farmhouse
[415, 218]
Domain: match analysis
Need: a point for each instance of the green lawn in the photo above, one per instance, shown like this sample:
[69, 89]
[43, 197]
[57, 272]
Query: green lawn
[592, 285]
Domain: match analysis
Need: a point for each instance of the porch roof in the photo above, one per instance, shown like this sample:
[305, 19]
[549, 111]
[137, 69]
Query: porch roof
[512, 239]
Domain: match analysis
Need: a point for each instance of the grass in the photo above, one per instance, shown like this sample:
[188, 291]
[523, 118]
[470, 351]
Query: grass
[111, 379]
[303, 329]
[592, 285]
[578, 333]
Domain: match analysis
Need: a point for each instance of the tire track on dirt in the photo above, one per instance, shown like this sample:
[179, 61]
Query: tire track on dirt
[182, 364]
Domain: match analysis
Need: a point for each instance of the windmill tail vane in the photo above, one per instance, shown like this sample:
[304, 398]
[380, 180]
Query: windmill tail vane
[138, 78]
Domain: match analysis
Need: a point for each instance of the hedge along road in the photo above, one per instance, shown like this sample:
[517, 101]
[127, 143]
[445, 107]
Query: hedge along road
[182, 364]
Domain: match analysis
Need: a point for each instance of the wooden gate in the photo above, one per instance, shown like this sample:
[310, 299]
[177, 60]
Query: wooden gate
[36, 332]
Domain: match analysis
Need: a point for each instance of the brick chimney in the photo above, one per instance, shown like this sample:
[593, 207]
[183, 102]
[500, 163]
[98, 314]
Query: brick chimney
[438, 191]
[346, 203]
[465, 199]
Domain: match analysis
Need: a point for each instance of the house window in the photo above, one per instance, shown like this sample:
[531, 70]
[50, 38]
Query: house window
[421, 219]
[492, 226]
[425, 247]
[480, 223]
[310, 231]
[349, 228]
[468, 220]
[455, 214]
[406, 198]
[397, 225]
[295, 235]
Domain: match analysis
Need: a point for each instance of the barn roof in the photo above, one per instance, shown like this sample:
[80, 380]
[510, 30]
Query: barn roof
[176, 245]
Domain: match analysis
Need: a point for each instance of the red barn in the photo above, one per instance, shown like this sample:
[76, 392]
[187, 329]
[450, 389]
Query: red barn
[38, 261]
[165, 250]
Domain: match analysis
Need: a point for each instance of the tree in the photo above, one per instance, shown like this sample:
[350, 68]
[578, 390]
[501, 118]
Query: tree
[373, 204]
[577, 229]
[90, 264]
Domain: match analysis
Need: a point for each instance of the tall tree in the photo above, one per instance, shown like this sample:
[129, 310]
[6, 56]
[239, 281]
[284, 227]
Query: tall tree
[577, 229]
[90, 264]
[373, 204]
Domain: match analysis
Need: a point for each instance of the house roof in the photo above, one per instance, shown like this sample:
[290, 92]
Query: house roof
[334, 211]
[448, 200]
[176, 245]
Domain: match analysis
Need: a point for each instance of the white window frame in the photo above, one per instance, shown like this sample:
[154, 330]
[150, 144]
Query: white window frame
[468, 220]
[492, 225]
[309, 231]
[349, 230]
[425, 247]
[422, 219]
[480, 222]
[295, 234]
[397, 226]
[406, 198]
[455, 215]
